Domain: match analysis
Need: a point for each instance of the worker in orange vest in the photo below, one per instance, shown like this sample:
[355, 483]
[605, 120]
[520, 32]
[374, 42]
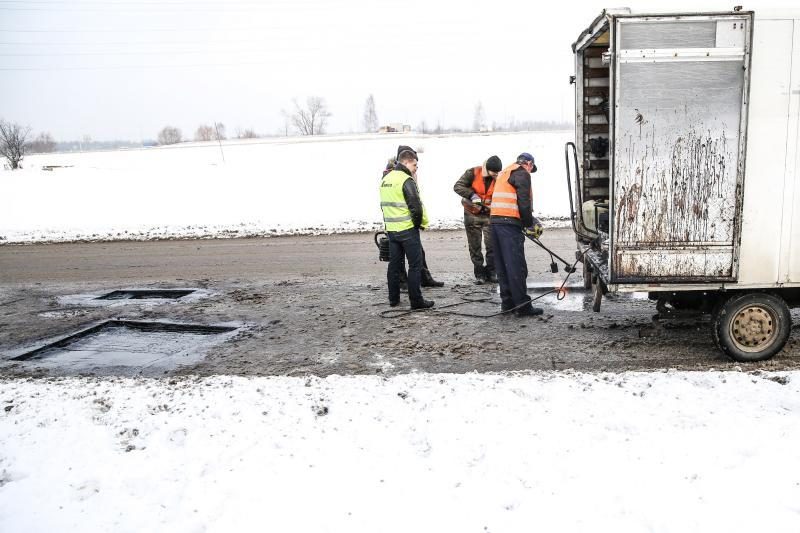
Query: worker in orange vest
[511, 219]
[475, 187]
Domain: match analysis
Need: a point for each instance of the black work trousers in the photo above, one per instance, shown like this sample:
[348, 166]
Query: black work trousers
[510, 265]
[403, 244]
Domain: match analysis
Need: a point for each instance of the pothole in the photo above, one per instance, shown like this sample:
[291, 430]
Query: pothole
[146, 294]
[127, 347]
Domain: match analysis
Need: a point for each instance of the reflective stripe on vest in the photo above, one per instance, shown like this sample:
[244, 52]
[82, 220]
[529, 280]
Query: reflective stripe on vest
[504, 198]
[396, 214]
[479, 186]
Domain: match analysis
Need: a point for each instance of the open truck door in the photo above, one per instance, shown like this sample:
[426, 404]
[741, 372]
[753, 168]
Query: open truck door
[680, 86]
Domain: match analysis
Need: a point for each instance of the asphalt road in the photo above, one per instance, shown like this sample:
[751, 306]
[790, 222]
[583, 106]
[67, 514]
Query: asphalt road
[311, 305]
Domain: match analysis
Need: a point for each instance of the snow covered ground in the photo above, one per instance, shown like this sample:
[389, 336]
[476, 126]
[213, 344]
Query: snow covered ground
[262, 187]
[663, 451]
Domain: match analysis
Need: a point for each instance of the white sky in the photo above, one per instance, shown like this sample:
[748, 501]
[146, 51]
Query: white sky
[123, 69]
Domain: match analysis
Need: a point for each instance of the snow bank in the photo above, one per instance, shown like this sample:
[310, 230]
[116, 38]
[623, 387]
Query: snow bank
[263, 187]
[664, 451]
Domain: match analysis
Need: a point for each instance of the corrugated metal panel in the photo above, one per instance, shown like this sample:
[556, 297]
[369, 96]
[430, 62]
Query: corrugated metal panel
[701, 34]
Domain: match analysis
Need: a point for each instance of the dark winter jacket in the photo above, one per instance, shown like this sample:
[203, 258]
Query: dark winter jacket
[520, 179]
[411, 196]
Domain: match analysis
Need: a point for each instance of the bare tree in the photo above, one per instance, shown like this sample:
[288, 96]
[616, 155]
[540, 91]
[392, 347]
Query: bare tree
[370, 116]
[204, 133]
[169, 135]
[13, 142]
[312, 119]
[246, 134]
[42, 144]
[479, 118]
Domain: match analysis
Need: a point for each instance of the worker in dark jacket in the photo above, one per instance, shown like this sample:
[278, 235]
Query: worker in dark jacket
[475, 187]
[403, 216]
[427, 277]
[511, 219]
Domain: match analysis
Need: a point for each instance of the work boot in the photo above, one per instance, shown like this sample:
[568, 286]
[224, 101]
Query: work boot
[491, 276]
[529, 311]
[423, 304]
[394, 303]
[428, 281]
[480, 274]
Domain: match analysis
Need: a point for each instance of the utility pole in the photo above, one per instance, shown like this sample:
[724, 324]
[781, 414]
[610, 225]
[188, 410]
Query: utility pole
[219, 140]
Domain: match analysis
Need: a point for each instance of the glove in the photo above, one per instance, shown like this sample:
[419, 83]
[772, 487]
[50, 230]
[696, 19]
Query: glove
[534, 231]
[475, 199]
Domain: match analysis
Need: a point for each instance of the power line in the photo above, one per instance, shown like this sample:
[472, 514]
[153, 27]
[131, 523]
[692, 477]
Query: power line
[135, 67]
[129, 30]
[128, 43]
[161, 2]
[123, 53]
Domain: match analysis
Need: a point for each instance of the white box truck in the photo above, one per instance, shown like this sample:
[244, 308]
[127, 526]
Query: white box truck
[685, 167]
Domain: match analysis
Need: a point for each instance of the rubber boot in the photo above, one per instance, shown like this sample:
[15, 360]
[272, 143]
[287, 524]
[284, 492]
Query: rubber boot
[428, 281]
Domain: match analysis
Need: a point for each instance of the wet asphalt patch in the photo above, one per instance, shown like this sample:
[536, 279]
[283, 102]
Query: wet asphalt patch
[146, 294]
[126, 347]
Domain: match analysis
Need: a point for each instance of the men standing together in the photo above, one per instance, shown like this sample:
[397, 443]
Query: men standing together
[497, 210]
[475, 187]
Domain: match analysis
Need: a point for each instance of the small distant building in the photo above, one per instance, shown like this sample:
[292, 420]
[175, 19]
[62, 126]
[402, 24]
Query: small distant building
[395, 127]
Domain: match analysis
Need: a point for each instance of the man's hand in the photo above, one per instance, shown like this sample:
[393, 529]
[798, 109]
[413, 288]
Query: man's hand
[534, 231]
[475, 199]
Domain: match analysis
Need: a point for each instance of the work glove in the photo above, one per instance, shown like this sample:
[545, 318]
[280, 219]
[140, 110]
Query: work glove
[534, 231]
[475, 199]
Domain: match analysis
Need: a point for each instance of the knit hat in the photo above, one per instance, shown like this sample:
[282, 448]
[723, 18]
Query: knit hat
[402, 148]
[494, 164]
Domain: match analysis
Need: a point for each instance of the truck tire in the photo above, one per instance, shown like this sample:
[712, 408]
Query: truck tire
[751, 326]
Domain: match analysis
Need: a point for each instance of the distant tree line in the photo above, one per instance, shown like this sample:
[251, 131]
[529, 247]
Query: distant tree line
[307, 118]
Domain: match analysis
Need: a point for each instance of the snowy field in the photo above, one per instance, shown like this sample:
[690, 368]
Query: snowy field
[262, 187]
[663, 451]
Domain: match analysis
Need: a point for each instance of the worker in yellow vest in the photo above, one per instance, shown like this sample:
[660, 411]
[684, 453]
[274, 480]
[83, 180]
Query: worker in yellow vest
[475, 187]
[427, 277]
[511, 219]
[404, 216]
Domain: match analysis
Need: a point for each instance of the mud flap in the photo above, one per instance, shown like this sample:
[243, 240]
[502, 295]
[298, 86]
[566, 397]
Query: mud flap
[597, 299]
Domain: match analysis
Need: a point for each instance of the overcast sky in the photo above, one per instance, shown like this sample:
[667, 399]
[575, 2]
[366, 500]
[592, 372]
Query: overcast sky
[122, 69]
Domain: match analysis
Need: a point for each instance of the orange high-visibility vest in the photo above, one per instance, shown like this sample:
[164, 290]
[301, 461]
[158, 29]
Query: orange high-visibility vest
[480, 187]
[504, 198]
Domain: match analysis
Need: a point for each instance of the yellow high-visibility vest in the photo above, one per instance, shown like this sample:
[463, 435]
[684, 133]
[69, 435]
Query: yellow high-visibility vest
[396, 214]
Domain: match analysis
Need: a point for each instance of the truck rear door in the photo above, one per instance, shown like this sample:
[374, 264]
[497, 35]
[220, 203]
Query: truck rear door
[679, 129]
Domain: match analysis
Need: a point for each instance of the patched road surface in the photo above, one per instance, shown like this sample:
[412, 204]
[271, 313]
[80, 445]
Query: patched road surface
[311, 305]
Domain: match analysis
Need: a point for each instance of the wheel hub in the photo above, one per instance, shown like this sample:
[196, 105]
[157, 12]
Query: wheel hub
[753, 328]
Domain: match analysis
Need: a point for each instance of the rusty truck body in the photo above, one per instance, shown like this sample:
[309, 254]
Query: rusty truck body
[685, 166]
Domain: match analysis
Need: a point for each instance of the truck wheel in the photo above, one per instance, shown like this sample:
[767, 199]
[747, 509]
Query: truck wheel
[752, 326]
[587, 275]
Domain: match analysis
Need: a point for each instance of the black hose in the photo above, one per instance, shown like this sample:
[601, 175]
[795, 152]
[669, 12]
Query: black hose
[560, 295]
